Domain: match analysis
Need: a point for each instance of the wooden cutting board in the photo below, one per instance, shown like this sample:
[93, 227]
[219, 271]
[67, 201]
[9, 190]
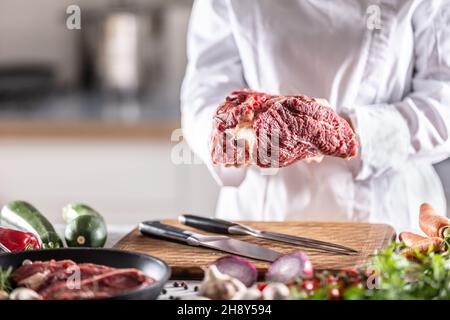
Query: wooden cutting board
[187, 261]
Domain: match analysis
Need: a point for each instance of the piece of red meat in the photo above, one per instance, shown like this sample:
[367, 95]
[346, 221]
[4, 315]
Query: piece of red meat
[58, 279]
[86, 270]
[48, 267]
[276, 131]
[106, 284]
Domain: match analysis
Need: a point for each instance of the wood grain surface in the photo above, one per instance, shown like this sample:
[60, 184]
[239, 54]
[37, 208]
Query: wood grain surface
[87, 129]
[187, 261]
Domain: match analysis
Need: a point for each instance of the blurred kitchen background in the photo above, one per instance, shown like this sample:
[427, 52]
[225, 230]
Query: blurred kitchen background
[87, 115]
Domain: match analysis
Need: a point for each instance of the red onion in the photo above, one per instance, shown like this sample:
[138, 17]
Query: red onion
[238, 268]
[290, 267]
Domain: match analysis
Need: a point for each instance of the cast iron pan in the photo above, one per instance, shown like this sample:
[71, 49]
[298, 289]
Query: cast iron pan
[151, 266]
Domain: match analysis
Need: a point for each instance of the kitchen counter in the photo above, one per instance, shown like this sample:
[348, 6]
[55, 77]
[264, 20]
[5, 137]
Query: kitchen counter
[75, 114]
[90, 129]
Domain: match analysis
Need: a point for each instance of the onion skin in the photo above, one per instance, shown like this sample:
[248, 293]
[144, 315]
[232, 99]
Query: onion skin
[239, 268]
[279, 271]
[410, 238]
[431, 223]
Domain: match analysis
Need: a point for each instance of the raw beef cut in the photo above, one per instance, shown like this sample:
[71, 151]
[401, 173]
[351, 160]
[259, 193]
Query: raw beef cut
[101, 285]
[276, 131]
[58, 280]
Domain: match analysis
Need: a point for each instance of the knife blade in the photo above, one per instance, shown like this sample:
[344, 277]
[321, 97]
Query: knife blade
[227, 227]
[221, 243]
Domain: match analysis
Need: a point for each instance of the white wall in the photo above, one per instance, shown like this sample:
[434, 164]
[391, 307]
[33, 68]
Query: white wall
[34, 32]
[127, 180]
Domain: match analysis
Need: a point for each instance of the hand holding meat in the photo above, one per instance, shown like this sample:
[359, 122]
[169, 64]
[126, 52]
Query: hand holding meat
[276, 131]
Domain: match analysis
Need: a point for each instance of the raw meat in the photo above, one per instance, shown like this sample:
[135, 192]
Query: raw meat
[57, 280]
[33, 275]
[276, 131]
[99, 286]
[86, 270]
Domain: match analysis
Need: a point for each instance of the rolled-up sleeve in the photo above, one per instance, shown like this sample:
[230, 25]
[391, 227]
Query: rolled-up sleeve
[416, 128]
[214, 70]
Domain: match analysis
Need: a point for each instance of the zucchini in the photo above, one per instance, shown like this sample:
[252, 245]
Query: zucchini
[74, 210]
[85, 226]
[86, 231]
[23, 216]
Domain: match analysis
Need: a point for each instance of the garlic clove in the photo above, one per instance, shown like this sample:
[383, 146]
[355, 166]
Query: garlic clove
[195, 297]
[276, 291]
[24, 294]
[217, 285]
[252, 293]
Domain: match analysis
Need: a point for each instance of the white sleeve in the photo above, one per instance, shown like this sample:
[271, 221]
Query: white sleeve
[418, 127]
[214, 70]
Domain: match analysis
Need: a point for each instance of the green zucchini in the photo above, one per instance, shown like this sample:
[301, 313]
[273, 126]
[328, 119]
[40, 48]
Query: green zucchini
[85, 226]
[74, 210]
[23, 216]
[86, 231]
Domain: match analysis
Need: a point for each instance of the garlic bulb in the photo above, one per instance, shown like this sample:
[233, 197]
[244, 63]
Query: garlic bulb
[252, 293]
[217, 285]
[194, 297]
[24, 294]
[276, 291]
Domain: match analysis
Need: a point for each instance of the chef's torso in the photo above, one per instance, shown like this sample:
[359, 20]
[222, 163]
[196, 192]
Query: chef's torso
[329, 49]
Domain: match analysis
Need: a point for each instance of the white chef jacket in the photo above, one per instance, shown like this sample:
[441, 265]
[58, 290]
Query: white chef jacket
[384, 64]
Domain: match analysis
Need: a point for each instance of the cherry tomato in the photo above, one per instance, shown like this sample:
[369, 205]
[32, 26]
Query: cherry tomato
[331, 279]
[311, 285]
[261, 286]
[334, 294]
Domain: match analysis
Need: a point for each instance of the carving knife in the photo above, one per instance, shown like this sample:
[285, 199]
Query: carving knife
[221, 243]
[227, 227]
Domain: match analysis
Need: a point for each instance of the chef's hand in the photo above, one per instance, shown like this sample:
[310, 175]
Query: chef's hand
[318, 159]
[345, 116]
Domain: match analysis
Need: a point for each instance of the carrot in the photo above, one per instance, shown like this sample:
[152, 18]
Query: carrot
[410, 238]
[423, 246]
[431, 222]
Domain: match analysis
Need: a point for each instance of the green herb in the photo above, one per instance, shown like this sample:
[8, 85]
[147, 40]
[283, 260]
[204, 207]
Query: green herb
[394, 276]
[5, 283]
[388, 275]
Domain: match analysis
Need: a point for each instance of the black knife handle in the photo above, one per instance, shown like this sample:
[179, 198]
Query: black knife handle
[206, 224]
[158, 229]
